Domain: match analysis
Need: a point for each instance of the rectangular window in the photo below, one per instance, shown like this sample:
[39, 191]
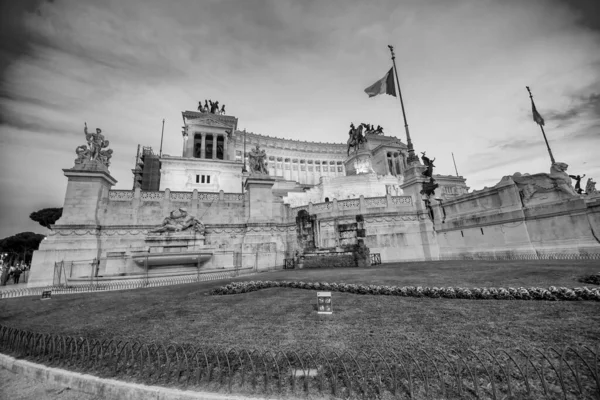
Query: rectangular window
[295, 167]
[318, 168]
[197, 178]
[340, 169]
[325, 169]
[207, 178]
[203, 178]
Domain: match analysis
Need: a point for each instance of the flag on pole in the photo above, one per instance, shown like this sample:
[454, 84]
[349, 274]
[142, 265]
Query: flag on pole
[537, 118]
[384, 85]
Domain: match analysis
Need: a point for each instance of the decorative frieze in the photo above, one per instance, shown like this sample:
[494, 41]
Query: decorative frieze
[152, 196]
[372, 202]
[208, 196]
[120, 195]
[181, 196]
[234, 197]
[322, 207]
[348, 204]
[401, 200]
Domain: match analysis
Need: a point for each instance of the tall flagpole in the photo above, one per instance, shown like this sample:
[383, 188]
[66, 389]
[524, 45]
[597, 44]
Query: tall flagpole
[534, 110]
[412, 158]
[454, 164]
[161, 138]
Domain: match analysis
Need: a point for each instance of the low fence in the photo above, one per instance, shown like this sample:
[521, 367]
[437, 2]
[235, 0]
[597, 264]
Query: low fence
[526, 256]
[567, 373]
[126, 285]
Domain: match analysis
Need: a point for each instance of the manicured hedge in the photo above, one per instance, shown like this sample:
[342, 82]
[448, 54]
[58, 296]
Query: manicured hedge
[532, 293]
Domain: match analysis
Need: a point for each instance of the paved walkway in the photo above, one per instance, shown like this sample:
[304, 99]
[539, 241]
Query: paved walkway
[18, 387]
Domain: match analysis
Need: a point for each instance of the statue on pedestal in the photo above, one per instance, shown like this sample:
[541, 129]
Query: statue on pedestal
[257, 159]
[180, 220]
[95, 150]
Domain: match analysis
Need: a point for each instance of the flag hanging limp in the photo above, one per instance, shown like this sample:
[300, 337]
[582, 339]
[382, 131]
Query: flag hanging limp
[537, 118]
[384, 85]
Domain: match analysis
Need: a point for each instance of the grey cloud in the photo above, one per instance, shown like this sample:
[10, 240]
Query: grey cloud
[514, 143]
[588, 12]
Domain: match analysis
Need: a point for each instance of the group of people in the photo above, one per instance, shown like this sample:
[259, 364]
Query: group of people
[11, 271]
[211, 107]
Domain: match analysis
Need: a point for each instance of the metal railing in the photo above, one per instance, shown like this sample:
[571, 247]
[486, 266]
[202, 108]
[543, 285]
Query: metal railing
[526, 256]
[571, 372]
[125, 285]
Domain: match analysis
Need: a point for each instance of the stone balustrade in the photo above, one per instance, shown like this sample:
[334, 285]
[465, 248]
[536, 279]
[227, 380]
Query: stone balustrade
[384, 203]
[129, 195]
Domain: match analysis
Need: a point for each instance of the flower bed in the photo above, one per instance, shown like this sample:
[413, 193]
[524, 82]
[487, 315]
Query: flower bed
[532, 293]
[592, 279]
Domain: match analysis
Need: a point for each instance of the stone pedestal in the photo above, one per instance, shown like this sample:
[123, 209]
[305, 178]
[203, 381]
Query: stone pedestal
[86, 188]
[260, 195]
[359, 163]
[413, 184]
[76, 234]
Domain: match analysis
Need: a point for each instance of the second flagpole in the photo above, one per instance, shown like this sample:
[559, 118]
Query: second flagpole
[412, 158]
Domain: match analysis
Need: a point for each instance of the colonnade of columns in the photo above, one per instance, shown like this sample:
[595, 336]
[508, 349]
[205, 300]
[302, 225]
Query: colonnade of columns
[200, 151]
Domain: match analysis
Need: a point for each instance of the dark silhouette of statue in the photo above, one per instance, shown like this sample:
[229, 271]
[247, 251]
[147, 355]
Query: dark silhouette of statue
[429, 187]
[578, 179]
[200, 106]
[206, 105]
[429, 164]
[356, 137]
[223, 110]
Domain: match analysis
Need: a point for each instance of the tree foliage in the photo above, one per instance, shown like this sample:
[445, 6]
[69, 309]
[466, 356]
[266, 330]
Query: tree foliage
[47, 216]
[21, 245]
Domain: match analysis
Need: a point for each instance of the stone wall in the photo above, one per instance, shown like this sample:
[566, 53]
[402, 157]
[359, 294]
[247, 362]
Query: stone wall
[124, 207]
[494, 221]
[329, 260]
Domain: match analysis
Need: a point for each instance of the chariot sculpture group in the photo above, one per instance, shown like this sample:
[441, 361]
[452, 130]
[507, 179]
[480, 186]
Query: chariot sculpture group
[211, 107]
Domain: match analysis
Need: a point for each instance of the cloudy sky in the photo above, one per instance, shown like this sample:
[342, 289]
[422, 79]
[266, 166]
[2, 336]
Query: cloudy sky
[294, 69]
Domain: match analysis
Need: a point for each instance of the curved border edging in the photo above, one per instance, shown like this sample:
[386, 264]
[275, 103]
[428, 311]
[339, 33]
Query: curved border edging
[109, 389]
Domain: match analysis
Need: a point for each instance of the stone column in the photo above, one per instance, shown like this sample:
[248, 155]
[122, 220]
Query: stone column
[185, 142]
[214, 149]
[203, 150]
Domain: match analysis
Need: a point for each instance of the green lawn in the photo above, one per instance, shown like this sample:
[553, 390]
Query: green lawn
[287, 318]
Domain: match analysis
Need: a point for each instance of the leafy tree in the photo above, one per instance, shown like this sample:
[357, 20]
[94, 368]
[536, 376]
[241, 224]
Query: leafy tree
[21, 246]
[47, 216]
